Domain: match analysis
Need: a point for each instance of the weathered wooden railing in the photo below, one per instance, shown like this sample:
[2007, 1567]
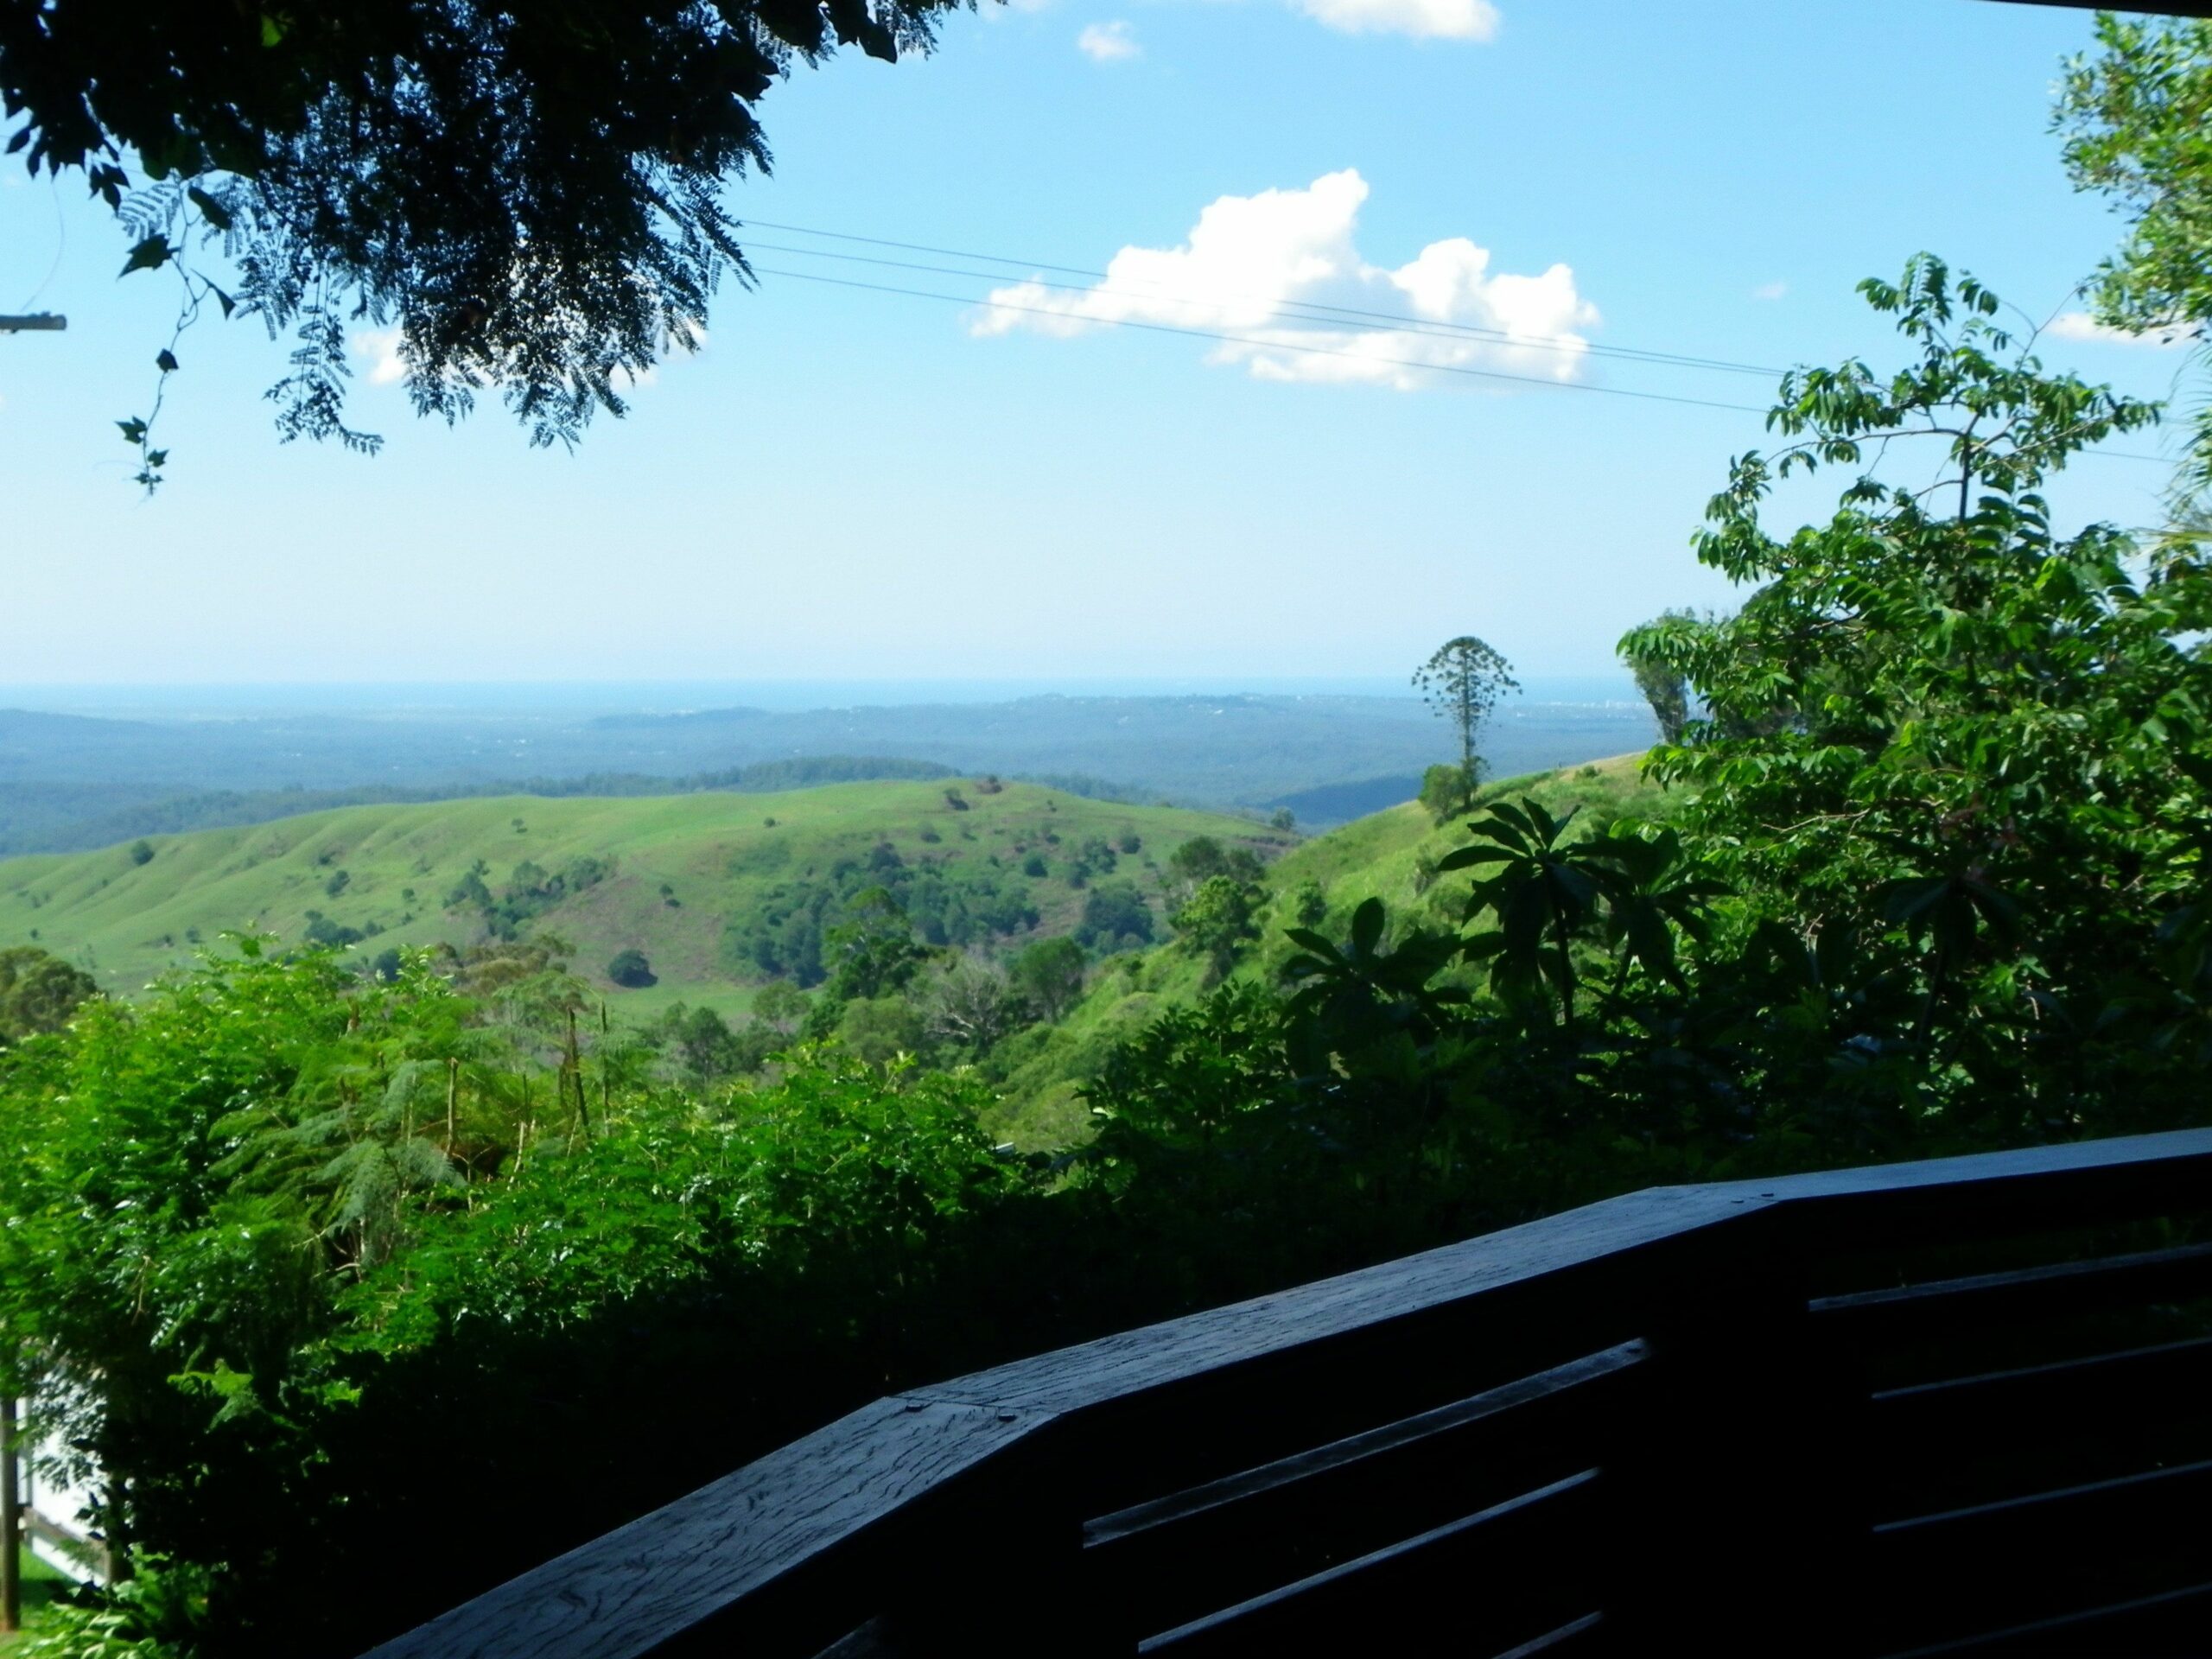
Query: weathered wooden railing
[1960, 1406]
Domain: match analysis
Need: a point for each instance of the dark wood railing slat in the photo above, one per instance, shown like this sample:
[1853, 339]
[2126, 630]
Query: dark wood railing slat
[1600, 1248]
[1576, 1637]
[696, 1572]
[1991, 1194]
[1486, 1582]
[1947, 1307]
[1349, 1415]
[2123, 1407]
[1194, 1551]
[2044, 1555]
[2170, 1622]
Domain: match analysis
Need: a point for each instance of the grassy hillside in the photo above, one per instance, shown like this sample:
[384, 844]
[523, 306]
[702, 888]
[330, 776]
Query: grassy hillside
[684, 870]
[1380, 856]
[684, 876]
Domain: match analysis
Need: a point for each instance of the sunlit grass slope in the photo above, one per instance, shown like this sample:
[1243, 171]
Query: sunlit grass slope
[1388, 856]
[717, 855]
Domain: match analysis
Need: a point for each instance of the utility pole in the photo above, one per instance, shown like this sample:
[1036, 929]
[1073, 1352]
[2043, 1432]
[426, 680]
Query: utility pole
[39, 322]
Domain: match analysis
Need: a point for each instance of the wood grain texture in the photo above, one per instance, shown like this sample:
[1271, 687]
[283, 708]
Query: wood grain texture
[2074, 1184]
[685, 1568]
[1359, 1305]
[2168, 1154]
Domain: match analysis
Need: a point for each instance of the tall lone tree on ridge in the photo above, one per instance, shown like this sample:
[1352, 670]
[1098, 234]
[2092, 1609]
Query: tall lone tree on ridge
[1463, 682]
[1662, 683]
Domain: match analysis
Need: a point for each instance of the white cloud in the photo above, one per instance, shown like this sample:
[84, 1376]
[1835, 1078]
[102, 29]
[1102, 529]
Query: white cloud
[1770, 290]
[1249, 257]
[1424, 19]
[381, 347]
[1107, 42]
[2080, 324]
[693, 340]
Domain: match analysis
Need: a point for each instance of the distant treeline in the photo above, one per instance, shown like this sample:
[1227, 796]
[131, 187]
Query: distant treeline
[1096, 789]
[30, 831]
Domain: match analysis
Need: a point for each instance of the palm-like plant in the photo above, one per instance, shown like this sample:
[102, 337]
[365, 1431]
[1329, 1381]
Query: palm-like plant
[1543, 890]
[1547, 891]
[1366, 990]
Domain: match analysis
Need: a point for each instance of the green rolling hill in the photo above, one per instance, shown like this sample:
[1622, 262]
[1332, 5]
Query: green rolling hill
[1388, 856]
[691, 881]
[705, 885]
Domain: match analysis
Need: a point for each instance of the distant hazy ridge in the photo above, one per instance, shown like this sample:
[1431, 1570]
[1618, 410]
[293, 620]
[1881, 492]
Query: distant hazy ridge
[69, 782]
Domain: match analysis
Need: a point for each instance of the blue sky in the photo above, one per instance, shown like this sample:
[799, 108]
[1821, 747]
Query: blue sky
[852, 484]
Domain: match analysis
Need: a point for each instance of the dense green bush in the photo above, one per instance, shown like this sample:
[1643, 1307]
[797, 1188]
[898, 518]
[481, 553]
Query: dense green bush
[630, 969]
[279, 1224]
[789, 936]
[38, 992]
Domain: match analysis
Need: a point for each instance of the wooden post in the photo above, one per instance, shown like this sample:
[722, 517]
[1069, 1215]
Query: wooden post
[11, 1524]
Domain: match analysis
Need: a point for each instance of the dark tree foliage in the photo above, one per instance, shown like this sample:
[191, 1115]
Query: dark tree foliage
[531, 891]
[1202, 857]
[321, 930]
[1662, 684]
[38, 992]
[1114, 917]
[1447, 791]
[1221, 913]
[1050, 974]
[531, 194]
[705, 1051]
[787, 935]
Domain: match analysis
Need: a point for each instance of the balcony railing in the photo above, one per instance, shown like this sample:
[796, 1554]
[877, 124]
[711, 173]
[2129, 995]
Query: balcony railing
[1962, 1406]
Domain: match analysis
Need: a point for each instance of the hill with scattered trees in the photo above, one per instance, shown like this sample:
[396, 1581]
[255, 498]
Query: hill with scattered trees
[718, 895]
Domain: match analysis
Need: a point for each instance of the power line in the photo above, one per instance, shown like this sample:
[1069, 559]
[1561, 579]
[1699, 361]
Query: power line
[1289, 310]
[1271, 345]
[1418, 324]
[1293, 310]
[1329, 350]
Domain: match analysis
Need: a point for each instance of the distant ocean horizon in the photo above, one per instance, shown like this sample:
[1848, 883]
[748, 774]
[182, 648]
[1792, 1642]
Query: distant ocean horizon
[554, 699]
